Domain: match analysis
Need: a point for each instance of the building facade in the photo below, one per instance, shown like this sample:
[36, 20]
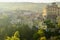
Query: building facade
[51, 12]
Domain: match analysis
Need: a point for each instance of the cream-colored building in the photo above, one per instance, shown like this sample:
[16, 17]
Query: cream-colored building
[51, 12]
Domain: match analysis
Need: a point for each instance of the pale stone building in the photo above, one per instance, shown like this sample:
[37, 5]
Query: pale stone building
[51, 12]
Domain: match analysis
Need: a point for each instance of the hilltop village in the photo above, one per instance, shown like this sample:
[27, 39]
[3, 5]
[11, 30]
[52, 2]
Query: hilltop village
[24, 24]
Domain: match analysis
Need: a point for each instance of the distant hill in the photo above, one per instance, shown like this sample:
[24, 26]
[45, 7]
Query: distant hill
[23, 6]
[36, 7]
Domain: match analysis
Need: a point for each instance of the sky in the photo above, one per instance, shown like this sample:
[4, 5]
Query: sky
[35, 1]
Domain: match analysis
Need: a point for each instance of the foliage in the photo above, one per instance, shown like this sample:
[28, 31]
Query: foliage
[27, 32]
[49, 23]
[43, 38]
[14, 37]
[41, 32]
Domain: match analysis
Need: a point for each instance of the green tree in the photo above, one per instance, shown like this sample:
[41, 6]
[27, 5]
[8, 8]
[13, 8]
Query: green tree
[49, 23]
[43, 38]
[8, 38]
[14, 37]
[41, 32]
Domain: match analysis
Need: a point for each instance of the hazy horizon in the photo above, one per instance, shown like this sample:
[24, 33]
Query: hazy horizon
[36, 7]
[34, 1]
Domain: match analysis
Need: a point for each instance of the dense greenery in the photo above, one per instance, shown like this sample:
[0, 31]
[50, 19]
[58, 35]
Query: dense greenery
[21, 31]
